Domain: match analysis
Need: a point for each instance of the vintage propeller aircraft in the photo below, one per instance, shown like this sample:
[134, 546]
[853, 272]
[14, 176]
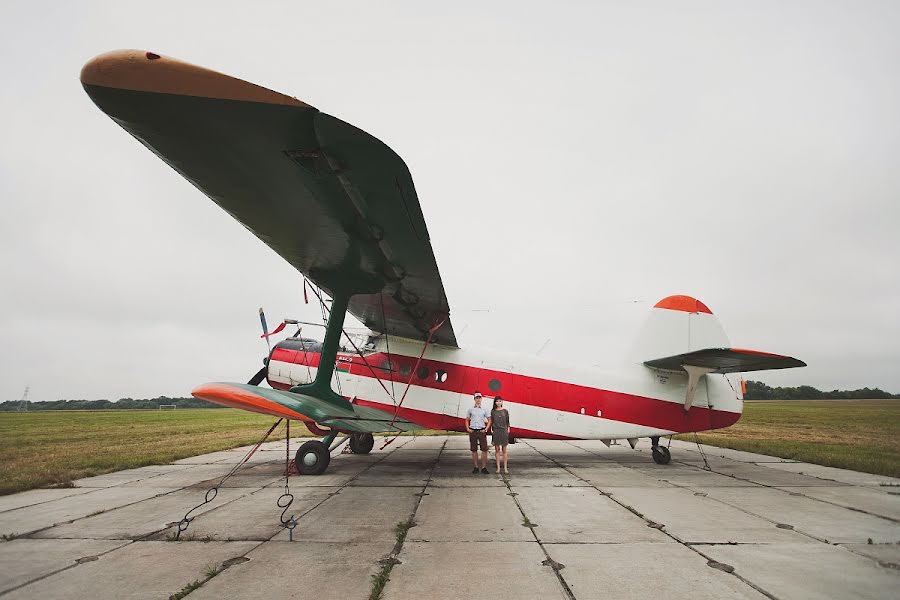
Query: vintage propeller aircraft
[340, 206]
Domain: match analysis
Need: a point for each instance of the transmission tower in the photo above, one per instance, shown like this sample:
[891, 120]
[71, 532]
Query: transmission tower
[23, 403]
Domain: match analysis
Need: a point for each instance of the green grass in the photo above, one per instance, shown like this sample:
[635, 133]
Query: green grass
[862, 435]
[50, 449]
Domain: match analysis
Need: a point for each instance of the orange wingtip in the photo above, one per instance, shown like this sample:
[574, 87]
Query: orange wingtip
[234, 397]
[142, 71]
[684, 304]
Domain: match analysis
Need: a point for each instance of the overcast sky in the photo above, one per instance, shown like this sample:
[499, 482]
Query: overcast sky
[575, 161]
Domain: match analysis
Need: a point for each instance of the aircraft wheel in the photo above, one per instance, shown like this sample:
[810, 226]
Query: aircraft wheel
[362, 443]
[661, 455]
[312, 458]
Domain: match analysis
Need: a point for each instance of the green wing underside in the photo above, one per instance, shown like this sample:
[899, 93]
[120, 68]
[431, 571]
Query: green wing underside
[335, 202]
[359, 419]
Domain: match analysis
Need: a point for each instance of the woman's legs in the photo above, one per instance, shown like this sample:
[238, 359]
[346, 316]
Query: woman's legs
[497, 456]
[505, 467]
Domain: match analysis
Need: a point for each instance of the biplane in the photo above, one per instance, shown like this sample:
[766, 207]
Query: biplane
[340, 206]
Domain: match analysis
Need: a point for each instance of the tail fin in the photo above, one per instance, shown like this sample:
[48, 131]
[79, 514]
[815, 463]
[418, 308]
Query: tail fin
[682, 335]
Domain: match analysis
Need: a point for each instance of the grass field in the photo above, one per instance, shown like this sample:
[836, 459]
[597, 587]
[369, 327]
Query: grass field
[863, 435]
[41, 449]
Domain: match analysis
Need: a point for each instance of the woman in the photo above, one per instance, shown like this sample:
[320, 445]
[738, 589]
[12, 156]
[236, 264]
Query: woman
[500, 432]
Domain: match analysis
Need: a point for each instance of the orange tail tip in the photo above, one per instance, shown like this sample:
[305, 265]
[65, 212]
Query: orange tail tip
[234, 397]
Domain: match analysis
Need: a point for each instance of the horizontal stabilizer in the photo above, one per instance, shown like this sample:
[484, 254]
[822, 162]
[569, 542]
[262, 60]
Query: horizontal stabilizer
[725, 360]
[302, 407]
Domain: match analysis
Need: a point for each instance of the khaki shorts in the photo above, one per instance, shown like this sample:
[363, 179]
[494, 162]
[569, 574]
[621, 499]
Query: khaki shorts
[478, 438]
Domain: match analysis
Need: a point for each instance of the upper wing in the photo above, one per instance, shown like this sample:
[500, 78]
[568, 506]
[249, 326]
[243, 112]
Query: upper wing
[726, 360]
[333, 201]
[302, 408]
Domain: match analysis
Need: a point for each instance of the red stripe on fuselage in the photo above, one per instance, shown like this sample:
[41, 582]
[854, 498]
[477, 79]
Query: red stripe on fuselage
[524, 389]
[435, 421]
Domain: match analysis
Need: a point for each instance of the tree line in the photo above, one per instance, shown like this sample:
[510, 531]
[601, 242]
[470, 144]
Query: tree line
[120, 404]
[757, 390]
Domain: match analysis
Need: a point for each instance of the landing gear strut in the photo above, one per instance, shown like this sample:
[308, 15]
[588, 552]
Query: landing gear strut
[362, 443]
[661, 455]
[312, 458]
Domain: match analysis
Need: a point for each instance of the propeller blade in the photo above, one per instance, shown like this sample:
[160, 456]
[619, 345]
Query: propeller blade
[265, 328]
[262, 320]
[258, 378]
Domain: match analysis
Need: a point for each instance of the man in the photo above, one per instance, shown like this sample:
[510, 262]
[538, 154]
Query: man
[477, 422]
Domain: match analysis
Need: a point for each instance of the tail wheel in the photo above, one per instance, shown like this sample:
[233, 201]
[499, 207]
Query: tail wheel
[362, 443]
[661, 455]
[312, 458]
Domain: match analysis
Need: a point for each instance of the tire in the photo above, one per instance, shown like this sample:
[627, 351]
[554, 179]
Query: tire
[362, 443]
[312, 458]
[661, 455]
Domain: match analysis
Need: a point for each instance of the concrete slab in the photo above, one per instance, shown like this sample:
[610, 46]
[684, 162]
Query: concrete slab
[484, 514]
[28, 560]
[614, 475]
[282, 570]
[809, 571]
[127, 476]
[455, 474]
[32, 497]
[357, 515]
[184, 477]
[700, 519]
[141, 518]
[764, 474]
[32, 518]
[642, 571]
[887, 555]
[738, 455]
[541, 476]
[828, 522]
[139, 570]
[507, 569]
[580, 515]
[254, 516]
[397, 473]
[840, 475]
[875, 501]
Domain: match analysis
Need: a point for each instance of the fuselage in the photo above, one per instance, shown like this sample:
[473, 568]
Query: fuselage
[545, 399]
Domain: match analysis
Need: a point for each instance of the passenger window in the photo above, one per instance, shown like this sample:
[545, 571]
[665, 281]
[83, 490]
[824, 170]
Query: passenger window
[422, 372]
[405, 369]
[494, 385]
[440, 376]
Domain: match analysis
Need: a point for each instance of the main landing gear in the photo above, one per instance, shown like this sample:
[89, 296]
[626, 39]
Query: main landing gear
[661, 455]
[314, 456]
[361, 443]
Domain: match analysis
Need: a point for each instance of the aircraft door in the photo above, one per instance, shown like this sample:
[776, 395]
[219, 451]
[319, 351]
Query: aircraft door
[456, 405]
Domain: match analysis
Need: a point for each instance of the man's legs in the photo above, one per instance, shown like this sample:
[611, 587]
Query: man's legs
[473, 446]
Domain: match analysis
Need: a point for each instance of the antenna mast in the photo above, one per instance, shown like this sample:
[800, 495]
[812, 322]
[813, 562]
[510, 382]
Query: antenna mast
[23, 403]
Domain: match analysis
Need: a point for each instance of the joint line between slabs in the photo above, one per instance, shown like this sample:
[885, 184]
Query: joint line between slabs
[551, 563]
[646, 520]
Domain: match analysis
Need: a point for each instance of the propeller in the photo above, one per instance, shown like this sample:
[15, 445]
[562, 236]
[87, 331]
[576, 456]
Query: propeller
[261, 374]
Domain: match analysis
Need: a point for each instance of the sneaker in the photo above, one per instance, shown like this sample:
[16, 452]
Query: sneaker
[484, 470]
[475, 470]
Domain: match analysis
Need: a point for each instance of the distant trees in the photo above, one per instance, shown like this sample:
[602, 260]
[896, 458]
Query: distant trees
[757, 390]
[121, 404]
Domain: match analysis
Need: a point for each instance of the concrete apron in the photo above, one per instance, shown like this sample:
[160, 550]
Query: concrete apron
[572, 520]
